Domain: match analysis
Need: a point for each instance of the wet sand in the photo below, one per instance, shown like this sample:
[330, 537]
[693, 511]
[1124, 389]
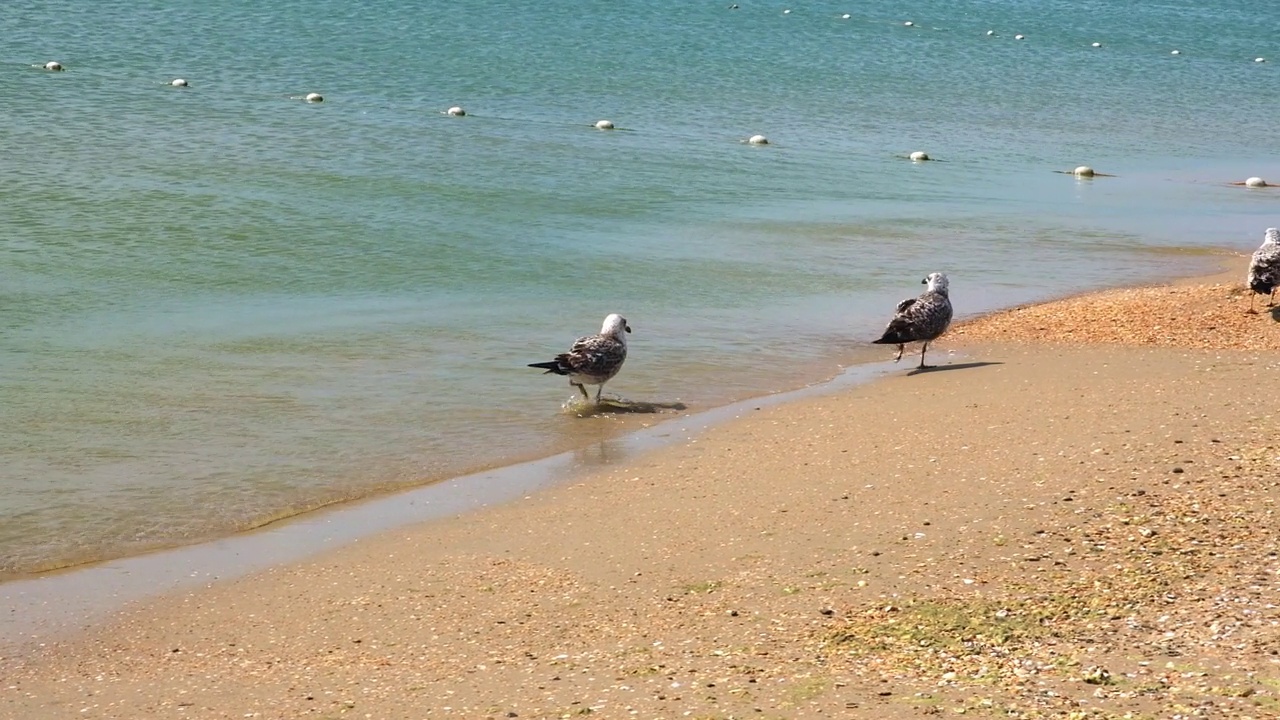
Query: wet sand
[1072, 517]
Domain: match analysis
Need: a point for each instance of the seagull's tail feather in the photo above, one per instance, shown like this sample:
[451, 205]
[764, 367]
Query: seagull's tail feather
[552, 366]
[895, 336]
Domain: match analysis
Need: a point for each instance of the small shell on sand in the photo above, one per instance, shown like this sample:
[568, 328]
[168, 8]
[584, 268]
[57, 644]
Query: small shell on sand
[758, 140]
[53, 66]
[1255, 182]
[919, 156]
[314, 97]
[179, 82]
[604, 125]
[455, 111]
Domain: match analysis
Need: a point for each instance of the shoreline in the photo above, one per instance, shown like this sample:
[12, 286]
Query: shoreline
[820, 372]
[1090, 520]
[42, 597]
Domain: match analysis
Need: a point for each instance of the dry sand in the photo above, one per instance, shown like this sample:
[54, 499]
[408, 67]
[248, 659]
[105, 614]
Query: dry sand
[1071, 523]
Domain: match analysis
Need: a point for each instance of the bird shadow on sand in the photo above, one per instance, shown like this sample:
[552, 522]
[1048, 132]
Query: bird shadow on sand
[608, 406]
[957, 366]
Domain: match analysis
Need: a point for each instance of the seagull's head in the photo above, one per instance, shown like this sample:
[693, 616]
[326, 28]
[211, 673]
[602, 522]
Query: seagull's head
[937, 282]
[1272, 236]
[614, 326]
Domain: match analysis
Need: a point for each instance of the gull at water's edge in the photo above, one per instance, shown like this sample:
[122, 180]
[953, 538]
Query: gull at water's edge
[593, 359]
[1264, 268]
[920, 319]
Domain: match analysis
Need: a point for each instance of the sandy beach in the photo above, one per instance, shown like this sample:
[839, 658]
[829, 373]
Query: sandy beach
[1073, 516]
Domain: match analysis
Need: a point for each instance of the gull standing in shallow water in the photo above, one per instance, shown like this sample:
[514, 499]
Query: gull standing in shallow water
[1264, 268]
[594, 359]
[920, 319]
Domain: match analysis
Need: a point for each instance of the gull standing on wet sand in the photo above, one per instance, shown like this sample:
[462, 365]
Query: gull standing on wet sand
[594, 359]
[920, 319]
[1264, 268]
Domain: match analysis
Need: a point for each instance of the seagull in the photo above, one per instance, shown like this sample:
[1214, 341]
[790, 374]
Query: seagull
[920, 319]
[594, 359]
[1264, 268]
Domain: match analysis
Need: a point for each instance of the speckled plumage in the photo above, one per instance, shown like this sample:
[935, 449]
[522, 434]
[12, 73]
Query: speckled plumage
[593, 359]
[920, 319]
[1264, 268]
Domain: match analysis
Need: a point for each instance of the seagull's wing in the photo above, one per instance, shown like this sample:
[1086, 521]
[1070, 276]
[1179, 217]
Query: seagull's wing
[595, 355]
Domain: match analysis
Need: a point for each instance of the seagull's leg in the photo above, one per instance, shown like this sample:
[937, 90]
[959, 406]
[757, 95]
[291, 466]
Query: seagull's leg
[599, 389]
[899, 357]
[1252, 298]
[1273, 298]
[922, 349]
[583, 389]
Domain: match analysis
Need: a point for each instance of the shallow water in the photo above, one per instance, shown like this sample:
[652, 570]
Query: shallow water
[220, 305]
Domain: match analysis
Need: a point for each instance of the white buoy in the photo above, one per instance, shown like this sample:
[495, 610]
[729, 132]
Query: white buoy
[919, 156]
[758, 140]
[1097, 44]
[604, 124]
[178, 82]
[846, 16]
[1018, 37]
[455, 111]
[314, 97]
[1083, 171]
[53, 66]
[1259, 59]
[1176, 52]
[991, 32]
[1255, 182]
[909, 23]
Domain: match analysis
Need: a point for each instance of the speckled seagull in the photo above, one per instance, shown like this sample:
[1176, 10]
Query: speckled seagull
[920, 319]
[1264, 268]
[594, 359]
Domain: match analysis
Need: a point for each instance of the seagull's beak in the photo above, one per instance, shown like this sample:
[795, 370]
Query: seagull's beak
[924, 281]
[627, 328]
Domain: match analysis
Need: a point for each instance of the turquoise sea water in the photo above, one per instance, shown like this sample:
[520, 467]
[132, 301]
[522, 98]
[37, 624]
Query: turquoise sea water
[221, 305]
